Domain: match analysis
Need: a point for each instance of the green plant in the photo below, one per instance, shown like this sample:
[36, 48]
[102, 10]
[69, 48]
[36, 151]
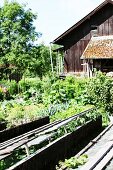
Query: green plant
[54, 108]
[70, 111]
[99, 92]
[1, 93]
[12, 87]
[31, 88]
[8, 88]
[15, 115]
[79, 121]
[73, 162]
[16, 156]
[62, 91]
[32, 112]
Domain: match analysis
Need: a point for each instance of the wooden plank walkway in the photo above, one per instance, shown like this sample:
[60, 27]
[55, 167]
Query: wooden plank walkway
[92, 163]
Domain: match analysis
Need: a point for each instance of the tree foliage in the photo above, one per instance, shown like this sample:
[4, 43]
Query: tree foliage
[41, 62]
[17, 36]
[19, 53]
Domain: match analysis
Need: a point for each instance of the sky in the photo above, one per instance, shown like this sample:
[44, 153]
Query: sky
[56, 16]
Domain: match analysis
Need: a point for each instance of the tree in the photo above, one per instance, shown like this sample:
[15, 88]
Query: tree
[17, 37]
[41, 63]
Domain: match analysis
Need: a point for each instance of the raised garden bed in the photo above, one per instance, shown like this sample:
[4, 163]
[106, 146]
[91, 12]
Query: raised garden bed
[2, 125]
[64, 147]
[18, 130]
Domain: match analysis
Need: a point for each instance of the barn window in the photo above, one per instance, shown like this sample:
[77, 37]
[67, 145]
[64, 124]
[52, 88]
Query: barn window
[94, 30]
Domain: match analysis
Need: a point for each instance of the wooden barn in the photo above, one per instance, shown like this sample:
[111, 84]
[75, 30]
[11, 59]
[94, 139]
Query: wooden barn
[89, 43]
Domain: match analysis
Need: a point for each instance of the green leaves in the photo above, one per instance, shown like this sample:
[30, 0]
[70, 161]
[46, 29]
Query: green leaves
[99, 92]
[18, 42]
[73, 162]
[62, 91]
[17, 35]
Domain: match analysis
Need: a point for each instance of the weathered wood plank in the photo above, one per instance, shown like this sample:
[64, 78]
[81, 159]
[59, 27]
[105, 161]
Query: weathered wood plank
[104, 161]
[92, 163]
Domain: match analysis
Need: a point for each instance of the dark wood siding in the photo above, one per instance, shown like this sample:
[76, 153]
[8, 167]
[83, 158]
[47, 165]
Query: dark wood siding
[104, 65]
[76, 41]
[74, 53]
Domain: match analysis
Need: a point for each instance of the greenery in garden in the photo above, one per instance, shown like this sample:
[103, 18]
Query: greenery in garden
[35, 94]
[73, 162]
[57, 98]
[16, 156]
[91, 114]
[64, 91]
[99, 92]
[70, 111]
[16, 114]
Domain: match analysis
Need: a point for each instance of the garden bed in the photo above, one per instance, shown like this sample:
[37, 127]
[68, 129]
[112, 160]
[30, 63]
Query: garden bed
[62, 148]
[23, 128]
[2, 125]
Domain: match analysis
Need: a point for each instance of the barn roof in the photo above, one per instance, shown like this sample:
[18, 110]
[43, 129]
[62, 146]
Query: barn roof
[62, 36]
[99, 48]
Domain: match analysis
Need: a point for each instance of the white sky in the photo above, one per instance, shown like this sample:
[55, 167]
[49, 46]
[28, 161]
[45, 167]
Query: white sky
[56, 16]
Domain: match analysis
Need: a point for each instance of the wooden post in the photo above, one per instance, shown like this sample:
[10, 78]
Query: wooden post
[51, 57]
[88, 69]
[27, 149]
[57, 63]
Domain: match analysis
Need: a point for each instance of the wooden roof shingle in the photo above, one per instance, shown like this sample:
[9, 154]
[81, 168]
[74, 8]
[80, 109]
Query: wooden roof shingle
[99, 48]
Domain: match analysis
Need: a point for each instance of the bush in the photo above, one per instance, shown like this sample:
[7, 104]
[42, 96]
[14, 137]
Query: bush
[15, 115]
[19, 114]
[58, 95]
[31, 88]
[54, 108]
[12, 87]
[63, 91]
[99, 92]
[26, 84]
[9, 88]
[72, 110]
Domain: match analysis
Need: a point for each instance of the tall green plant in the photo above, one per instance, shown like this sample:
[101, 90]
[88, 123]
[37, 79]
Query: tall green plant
[99, 92]
[62, 91]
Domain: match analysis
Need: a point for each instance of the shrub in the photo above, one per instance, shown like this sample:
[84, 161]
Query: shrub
[32, 112]
[27, 83]
[72, 110]
[54, 108]
[31, 88]
[21, 113]
[63, 91]
[12, 87]
[9, 88]
[15, 115]
[99, 92]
